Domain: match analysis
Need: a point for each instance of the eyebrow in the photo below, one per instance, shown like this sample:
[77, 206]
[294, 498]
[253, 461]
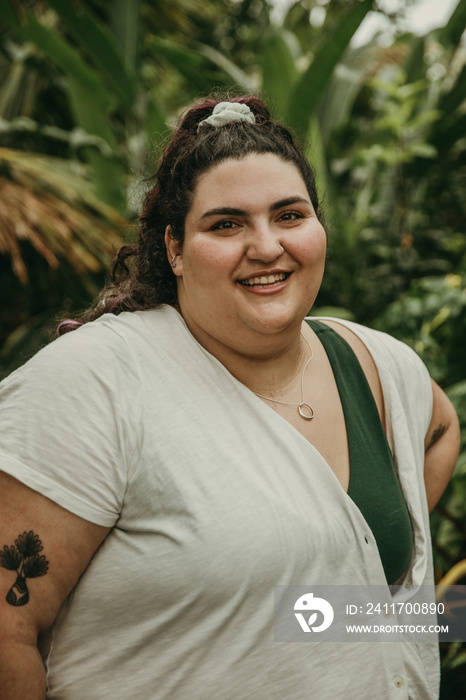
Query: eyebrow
[232, 211]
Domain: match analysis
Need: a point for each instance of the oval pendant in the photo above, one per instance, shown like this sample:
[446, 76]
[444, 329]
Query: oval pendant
[306, 416]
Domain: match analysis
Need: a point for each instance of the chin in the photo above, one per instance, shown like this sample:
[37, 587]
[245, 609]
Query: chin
[275, 323]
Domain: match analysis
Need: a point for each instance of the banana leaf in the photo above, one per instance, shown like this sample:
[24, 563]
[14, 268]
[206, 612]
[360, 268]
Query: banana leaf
[309, 89]
[125, 24]
[100, 45]
[90, 99]
[452, 32]
[279, 72]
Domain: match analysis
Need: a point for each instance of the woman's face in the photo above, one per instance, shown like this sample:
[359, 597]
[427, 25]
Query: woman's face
[253, 254]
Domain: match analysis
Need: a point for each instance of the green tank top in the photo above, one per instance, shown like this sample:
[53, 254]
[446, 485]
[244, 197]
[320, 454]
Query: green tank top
[373, 485]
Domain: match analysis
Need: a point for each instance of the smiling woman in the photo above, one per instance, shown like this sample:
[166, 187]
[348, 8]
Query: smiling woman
[250, 266]
[196, 442]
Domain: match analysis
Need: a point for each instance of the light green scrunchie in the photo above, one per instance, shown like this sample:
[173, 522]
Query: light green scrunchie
[226, 113]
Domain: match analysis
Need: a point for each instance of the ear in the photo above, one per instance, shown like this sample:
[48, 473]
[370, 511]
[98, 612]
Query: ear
[173, 251]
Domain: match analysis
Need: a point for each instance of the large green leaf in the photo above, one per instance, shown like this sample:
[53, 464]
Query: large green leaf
[309, 89]
[452, 99]
[190, 64]
[449, 128]
[99, 43]
[279, 72]
[8, 15]
[90, 99]
[415, 67]
[108, 172]
[452, 32]
[347, 81]
[125, 26]
[64, 56]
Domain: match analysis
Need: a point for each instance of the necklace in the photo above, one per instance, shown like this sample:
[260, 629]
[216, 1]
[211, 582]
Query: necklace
[304, 409]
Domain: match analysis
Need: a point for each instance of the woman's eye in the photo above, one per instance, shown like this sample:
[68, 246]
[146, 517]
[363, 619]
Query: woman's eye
[224, 225]
[291, 216]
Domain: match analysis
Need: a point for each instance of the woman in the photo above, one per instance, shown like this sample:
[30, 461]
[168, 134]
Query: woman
[171, 462]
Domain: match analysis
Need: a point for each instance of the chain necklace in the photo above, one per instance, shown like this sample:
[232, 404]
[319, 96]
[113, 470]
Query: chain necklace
[304, 409]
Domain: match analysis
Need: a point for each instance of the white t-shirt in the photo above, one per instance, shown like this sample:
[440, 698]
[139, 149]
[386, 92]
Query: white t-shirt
[214, 500]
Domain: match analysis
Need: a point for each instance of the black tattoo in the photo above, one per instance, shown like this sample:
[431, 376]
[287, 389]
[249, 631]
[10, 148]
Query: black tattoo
[437, 434]
[24, 558]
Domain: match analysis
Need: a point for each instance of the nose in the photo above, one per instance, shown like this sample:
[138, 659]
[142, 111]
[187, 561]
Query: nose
[264, 244]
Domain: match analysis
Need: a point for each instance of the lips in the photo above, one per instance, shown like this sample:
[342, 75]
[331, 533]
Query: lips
[265, 280]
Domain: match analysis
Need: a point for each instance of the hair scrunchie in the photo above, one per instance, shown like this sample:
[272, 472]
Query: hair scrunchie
[226, 113]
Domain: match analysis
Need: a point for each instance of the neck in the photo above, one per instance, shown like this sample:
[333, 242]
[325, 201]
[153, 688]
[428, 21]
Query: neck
[268, 364]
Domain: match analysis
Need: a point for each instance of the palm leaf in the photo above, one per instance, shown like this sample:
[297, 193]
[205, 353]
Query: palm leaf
[44, 201]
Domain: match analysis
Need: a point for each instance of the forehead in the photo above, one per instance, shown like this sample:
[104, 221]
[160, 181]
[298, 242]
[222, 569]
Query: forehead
[254, 178]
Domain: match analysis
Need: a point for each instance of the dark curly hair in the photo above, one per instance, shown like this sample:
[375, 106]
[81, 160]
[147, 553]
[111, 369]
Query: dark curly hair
[141, 274]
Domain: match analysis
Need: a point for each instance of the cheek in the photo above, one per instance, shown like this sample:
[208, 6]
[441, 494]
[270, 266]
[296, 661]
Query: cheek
[210, 259]
[310, 249]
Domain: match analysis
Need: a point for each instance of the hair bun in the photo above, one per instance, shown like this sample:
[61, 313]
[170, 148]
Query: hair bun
[227, 112]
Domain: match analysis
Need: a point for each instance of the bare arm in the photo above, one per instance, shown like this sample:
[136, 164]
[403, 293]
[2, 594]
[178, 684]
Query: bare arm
[43, 551]
[442, 446]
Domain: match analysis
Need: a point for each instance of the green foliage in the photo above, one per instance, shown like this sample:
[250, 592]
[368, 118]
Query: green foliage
[90, 99]
[431, 317]
[307, 94]
[95, 84]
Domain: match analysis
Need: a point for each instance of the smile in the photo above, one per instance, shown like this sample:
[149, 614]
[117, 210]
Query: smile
[265, 281]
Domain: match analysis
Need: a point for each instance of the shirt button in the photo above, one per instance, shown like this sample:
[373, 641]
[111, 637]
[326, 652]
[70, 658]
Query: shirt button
[398, 681]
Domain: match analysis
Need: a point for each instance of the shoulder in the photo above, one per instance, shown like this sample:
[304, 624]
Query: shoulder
[390, 366]
[350, 333]
[364, 356]
[88, 373]
[98, 348]
[78, 400]
[379, 349]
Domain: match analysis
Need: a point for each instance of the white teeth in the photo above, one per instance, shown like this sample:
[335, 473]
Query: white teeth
[270, 279]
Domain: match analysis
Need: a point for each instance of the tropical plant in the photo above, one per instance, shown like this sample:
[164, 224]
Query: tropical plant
[57, 241]
[82, 86]
[85, 89]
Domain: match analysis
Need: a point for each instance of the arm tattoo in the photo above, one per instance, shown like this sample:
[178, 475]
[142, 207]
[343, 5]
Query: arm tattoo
[436, 435]
[24, 558]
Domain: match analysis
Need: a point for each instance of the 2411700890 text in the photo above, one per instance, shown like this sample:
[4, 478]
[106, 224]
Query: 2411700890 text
[407, 608]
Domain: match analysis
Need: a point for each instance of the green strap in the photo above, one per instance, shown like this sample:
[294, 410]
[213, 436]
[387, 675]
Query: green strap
[373, 486]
